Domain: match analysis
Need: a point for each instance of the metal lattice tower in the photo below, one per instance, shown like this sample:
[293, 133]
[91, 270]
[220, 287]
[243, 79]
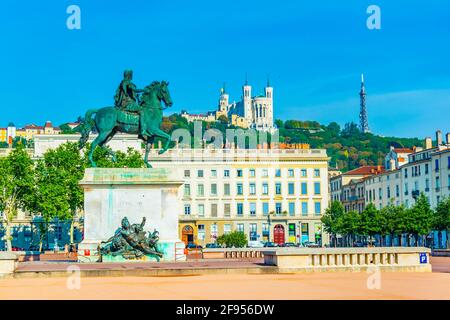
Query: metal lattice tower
[363, 121]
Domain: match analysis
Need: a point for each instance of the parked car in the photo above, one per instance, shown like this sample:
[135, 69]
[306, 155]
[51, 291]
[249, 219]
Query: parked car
[269, 244]
[33, 248]
[212, 245]
[359, 244]
[255, 244]
[310, 244]
[193, 246]
[288, 245]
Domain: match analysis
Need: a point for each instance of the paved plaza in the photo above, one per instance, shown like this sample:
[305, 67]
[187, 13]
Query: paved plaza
[339, 285]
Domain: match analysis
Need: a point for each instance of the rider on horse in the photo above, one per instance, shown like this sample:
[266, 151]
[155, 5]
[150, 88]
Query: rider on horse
[127, 99]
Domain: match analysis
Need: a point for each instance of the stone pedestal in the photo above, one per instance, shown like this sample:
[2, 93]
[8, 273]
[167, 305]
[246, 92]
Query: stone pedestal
[112, 194]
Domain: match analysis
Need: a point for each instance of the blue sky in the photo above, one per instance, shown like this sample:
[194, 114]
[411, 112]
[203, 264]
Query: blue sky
[313, 52]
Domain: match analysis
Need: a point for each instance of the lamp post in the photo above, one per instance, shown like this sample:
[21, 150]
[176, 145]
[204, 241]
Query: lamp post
[268, 220]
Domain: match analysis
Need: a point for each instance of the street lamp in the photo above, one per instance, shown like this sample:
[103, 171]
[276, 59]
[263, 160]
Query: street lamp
[268, 220]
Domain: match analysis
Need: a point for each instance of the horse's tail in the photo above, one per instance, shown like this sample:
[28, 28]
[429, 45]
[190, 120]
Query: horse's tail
[86, 127]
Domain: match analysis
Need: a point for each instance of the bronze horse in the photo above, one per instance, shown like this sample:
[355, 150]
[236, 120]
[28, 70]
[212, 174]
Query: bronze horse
[109, 120]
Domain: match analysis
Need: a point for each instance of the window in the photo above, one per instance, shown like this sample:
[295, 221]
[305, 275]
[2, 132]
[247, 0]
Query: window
[278, 208]
[226, 173]
[317, 208]
[438, 183]
[214, 173]
[227, 209]
[200, 190]
[388, 192]
[316, 187]
[187, 173]
[427, 184]
[291, 188]
[436, 165]
[305, 208]
[214, 210]
[253, 232]
[265, 207]
[201, 210]
[278, 173]
[187, 209]
[292, 208]
[239, 189]
[226, 189]
[214, 189]
[380, 194]
[240, 227]
[265, 188]
[187, 190]
[278, 188]
[201, 232]
[239, 172]
[316, 173]
[227, 228]
[397, 191]
[291, 172]
[252, 189]
[265, 173]
[304, 188]
[265, 229]
[200, 173]
[406, 172]
[240, 209]
[304, 174]
[252, 173]
[252, 208]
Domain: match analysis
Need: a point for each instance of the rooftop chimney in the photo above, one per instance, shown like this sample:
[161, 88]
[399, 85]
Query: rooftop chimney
[428, 143]
[439, 137]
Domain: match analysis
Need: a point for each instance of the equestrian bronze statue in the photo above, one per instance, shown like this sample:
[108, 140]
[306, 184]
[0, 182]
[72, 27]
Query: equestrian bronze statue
[135, 111]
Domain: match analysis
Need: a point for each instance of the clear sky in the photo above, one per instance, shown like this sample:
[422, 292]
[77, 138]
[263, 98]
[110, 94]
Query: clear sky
[313, 52]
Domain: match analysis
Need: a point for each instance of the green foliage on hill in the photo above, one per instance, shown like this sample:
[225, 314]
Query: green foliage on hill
[348, 148]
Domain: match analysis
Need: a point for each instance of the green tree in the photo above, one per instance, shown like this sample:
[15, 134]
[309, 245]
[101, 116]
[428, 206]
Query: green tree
[370, 221]
[235, 239]
[422, 216]
[103, 157]
[348, 225]
[330, 219]
[441, 219]
[66, 129]
[58, 175]
[223, 119]
[390, 218]
[16, 187]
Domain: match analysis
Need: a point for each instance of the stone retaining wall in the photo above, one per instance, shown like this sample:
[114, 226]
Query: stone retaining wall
[350, 259]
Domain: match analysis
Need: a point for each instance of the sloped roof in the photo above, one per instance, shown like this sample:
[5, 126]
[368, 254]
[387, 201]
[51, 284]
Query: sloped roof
[365, 170]
[403, 150]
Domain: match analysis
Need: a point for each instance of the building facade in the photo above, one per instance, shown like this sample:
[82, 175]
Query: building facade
[270, 195]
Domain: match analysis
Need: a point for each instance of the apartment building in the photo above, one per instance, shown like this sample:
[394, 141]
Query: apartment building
[269, 194]
[338, 183]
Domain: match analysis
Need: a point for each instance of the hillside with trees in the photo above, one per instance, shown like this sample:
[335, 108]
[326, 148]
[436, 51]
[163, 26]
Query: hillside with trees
[347, 147]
